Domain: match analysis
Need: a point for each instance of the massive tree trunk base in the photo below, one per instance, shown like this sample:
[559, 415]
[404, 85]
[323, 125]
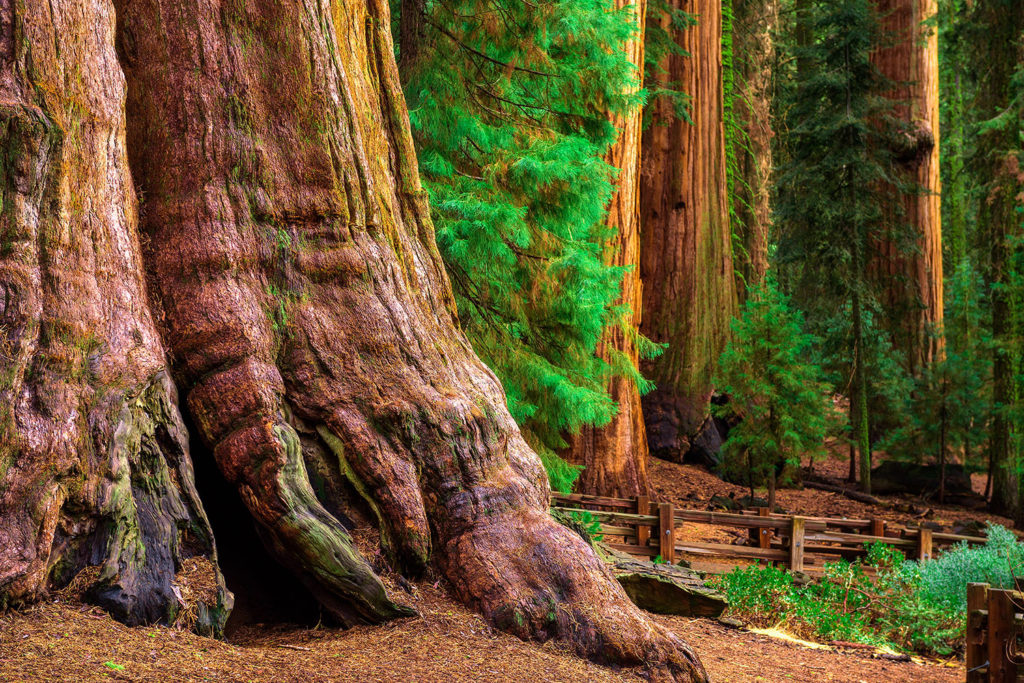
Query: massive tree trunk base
[291, 266]
[689, 294]
[95, 477]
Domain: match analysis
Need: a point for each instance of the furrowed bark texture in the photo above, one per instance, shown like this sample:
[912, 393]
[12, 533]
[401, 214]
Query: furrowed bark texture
[94, 464]
[914, 284]
[291, 251]
[615, 456]
[753, 59]
[689, 294]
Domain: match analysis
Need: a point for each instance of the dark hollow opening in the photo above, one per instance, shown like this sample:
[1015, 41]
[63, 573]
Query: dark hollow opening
[265, 591]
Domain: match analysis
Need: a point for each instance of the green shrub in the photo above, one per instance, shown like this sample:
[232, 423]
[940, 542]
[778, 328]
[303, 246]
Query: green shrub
[906, 605]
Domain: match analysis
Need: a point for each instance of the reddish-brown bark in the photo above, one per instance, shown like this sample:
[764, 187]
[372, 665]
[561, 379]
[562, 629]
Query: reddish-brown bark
[689, 294]
[914, 284]
[292, 262]
[615, 456]
[94, 466]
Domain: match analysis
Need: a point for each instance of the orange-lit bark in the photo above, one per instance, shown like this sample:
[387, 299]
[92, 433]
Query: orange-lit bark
[615, 456]
[914, 296]
[689, 294]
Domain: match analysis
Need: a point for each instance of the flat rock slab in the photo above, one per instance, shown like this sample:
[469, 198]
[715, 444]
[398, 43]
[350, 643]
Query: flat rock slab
[668, 589]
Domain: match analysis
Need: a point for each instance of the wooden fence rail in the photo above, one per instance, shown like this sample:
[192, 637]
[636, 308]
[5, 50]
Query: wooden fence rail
[994, 628]
[642, 528]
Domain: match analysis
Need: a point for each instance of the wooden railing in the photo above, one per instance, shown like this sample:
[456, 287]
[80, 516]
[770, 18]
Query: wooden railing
[994, 627]
[645, 529]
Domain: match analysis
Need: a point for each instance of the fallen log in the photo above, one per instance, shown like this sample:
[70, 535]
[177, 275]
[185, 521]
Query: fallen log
[859, 496]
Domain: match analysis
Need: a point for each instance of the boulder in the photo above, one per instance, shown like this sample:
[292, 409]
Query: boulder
[668, 589]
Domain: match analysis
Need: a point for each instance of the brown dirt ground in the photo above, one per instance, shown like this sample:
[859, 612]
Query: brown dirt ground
[65, 640]
[73, 642]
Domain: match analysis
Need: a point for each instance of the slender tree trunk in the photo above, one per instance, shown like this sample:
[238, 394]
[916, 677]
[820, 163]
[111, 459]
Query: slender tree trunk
[94, 463]
[997, 55]
[293, 261]
[753, 53]
[943, 431]
[861, 426]
[615, 456]
[412, 35]
[913, 292]
[689, 295]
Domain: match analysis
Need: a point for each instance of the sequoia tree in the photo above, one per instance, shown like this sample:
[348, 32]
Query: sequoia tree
[294, 278]
[749, 134]
[689, 294]
[614, 457]
[909, 59]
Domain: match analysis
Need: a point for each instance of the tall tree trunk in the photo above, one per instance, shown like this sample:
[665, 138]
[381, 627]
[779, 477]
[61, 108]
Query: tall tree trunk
[689, 296]
[753, 60]
[997, 54]
[293, 260]
[94, 463]
[913, 293]
[615, 456]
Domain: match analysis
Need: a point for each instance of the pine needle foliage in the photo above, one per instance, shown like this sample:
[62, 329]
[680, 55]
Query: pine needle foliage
[509, 103]
[778, 394]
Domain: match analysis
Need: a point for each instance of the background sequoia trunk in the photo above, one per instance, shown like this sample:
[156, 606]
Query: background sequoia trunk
[94, 466]
[292, 260]
[914, 284]
[689, 296]
[753, 59]
[615, 456]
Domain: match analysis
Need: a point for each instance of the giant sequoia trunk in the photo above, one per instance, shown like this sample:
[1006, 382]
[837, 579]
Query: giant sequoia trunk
[753, 61]
[689, 294]
[291, 265]
[94, 464]
[913, 281]
[615, 456]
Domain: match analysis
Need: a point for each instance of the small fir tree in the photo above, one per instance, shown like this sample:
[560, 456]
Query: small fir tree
[773, 387]
[949, 407]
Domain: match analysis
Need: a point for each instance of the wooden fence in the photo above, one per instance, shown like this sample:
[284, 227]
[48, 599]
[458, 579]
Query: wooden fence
[646, 529]
[994, 629]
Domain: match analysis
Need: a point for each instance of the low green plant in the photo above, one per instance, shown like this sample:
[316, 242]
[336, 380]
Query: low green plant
[906, 605]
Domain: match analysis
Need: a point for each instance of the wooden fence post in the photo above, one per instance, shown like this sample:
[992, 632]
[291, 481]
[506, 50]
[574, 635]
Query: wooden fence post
[764, 534]
[977, 601]
[878, 527]
[924, 544]
[667, 535]
[1000, 626]
[643, 531]
[796, 545]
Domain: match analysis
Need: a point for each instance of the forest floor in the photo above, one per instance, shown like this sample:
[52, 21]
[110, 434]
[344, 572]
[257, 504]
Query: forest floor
[66, 640]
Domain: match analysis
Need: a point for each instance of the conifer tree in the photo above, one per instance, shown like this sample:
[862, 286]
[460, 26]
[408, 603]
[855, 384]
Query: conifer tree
[910, 274]
[773, 387]
[837, 188]
[995, 33]
[614, 457]
[748, 56]
[511, 106]
[689, 294]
